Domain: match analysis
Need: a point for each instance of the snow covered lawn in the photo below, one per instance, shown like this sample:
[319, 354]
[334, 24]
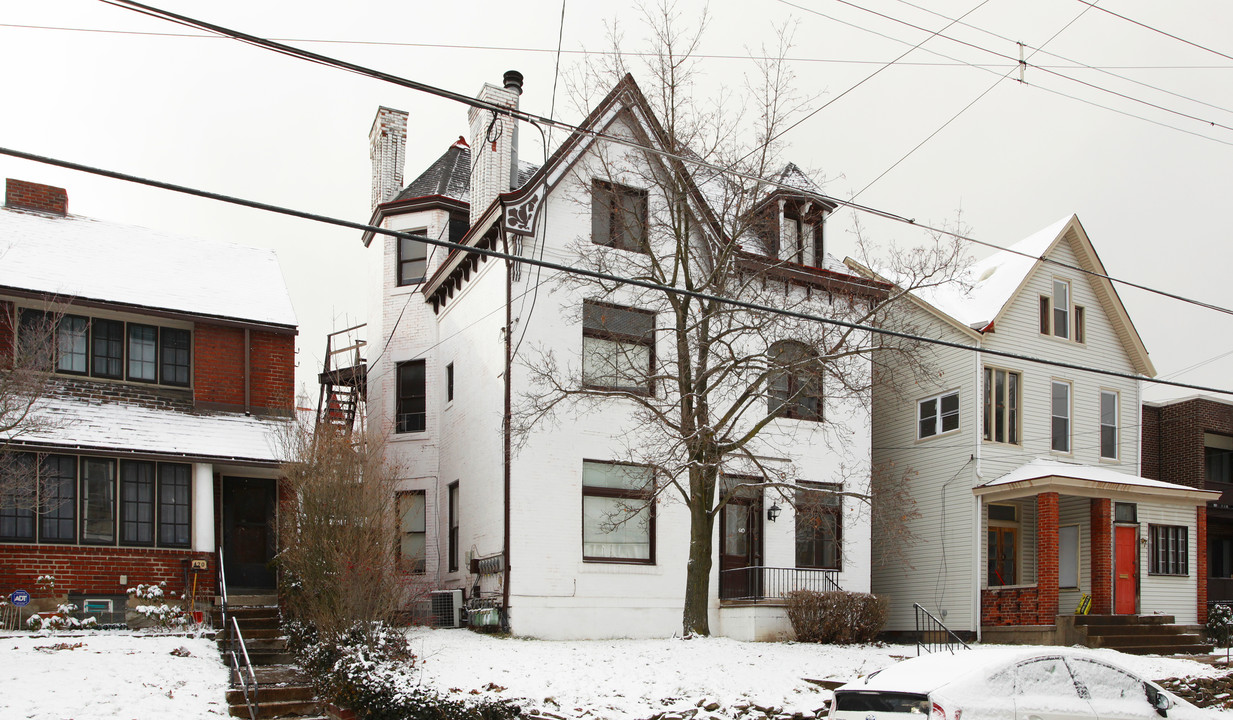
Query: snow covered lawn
[85, 676]
[612, 679]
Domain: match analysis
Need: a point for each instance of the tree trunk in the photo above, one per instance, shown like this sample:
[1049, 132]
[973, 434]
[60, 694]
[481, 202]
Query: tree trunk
[696, 619]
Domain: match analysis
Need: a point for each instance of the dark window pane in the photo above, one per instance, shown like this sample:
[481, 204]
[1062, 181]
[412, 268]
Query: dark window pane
[18, 479]
[412, 535]
[58, 504]
[107, 348]
[72, 337]
[412, 259]
[98, 501]
[142, 353]
[174, 504]
[617, 347]
[175, 353]
[412, 415]
[818, 528]
[618, 216]
[137, 503]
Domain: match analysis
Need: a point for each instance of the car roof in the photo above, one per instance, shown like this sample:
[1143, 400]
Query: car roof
[927, 673]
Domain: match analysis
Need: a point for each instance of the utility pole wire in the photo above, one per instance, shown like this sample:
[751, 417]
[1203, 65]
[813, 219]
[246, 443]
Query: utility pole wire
[1158, 30]
[607, 277]
[533, 119]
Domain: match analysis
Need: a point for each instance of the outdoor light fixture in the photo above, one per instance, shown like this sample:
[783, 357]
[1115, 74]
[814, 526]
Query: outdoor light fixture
[772, 513]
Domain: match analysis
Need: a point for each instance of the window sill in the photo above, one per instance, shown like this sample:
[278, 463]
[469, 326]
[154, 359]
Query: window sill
[997, 443]
[615, 562]
[1168, 575]
[948, 433]
[1110, 461]
[999, 588]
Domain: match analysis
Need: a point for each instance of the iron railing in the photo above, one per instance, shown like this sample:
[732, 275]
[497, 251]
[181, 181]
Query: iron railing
[932, 635]
[244, 673]
[758, 583]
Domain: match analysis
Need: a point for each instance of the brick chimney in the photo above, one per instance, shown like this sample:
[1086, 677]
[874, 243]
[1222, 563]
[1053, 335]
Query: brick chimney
[387, 148]
[22, 195]
[494, 145]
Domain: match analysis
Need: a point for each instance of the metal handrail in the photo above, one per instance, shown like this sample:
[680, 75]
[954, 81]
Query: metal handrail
[245, 675]
[761, 582]
[934, 626]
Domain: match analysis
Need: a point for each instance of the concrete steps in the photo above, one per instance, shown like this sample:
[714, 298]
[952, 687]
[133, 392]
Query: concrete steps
[1143, 634]
[282, 691]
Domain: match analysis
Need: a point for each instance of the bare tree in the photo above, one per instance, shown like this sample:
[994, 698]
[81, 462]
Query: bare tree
[707, 413]
[338, 529]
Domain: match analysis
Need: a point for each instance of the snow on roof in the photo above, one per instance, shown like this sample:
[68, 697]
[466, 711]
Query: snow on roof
[80, 422]
[1042, 468]
[77, 257]
[993, 280]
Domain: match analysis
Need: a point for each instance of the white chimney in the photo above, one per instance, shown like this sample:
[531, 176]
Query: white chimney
[387, 148]
[494, 145]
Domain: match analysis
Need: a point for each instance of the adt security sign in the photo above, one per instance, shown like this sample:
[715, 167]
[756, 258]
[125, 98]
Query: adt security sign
[20, 598]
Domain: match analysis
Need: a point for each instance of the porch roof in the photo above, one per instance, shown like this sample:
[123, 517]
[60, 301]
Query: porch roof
[1065, 478]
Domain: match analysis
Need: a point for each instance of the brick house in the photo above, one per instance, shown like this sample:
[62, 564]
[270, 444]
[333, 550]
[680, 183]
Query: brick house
[157, 443]
[524, 530]
[1189, 442]
[1026, 477]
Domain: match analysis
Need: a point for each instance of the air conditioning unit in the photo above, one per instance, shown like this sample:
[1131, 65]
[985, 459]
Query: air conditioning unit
[446, 608]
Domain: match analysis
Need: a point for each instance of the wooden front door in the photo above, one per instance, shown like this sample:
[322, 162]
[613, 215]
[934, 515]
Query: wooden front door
[740, 548]
[1125, 569]
[249, 535]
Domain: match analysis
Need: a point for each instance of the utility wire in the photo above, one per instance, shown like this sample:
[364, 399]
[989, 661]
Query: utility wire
[1158, 30]
[593, 274]
[679, 157]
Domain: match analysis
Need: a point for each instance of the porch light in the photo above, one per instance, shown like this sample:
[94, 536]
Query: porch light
[772, 513]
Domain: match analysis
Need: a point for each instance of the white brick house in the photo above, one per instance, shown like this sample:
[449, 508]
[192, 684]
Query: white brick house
[1025, 476]
[520, 528]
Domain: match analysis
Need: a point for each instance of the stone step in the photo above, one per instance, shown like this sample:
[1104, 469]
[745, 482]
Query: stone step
[278, 709]
[272, 693]
[253, 600]
[261, 657]
[255, 644]
[1091, 620]
[1107, 630]
[1143, 639]
[1195, 649]
[246, 612]
[248, 623]
[280, 675]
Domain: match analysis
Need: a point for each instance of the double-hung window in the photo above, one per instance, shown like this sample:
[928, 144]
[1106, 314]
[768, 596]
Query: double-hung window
[1002, 549]
[175, 351]
[1059, 317]
[174, 504]
[98, 501]
[18, 498]
[107, 348]
[412, 259]
[412, 409]
[938, 414]
[1169, 550]
[72, 342]
[1001, 406]
[818, 526]
[452, 547]
[795, 382]
[137, 502]
[618, 513]
[618, 347]
[413, 535]
[618, 216]
[1059, 404]
[1109, 412]
[142, 353]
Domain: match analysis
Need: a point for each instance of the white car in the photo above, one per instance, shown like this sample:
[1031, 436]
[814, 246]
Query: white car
[1008, 684]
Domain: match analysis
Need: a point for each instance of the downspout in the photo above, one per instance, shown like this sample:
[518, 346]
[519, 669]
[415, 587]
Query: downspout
[505, 426]
[976, 534]
[248, 385]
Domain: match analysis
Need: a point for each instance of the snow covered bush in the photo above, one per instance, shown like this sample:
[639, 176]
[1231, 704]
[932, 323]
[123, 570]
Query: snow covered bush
[61, 619]
[160, 615]
[1220, 624]
[838, 618]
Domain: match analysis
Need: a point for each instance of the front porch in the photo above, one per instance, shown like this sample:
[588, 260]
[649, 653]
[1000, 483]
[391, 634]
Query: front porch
[752, 603]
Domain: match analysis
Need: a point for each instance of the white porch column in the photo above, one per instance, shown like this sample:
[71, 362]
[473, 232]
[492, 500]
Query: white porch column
[203, 507]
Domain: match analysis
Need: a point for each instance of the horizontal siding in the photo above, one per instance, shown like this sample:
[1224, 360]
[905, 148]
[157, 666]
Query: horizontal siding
[1171, 595]
[1077, 511]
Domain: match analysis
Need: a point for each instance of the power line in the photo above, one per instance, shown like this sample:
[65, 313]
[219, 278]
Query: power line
[593, 274]
[1158, 30]
[678, 157]
[550, 51]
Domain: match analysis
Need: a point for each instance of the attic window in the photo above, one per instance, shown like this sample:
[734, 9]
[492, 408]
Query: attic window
[618, 216]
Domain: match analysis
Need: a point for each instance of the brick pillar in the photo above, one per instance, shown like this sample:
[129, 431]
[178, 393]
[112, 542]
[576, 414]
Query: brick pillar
[1102, 556]
[1201, 560]
[1046, 557]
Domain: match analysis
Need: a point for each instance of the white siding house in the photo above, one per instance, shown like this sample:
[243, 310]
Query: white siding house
[1027, 487]
[512, 521]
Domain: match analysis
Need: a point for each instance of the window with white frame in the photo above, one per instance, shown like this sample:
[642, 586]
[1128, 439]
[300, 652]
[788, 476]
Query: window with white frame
[1168, 550]
[618, 513]
[1059, 405]
[412, 258]
[937, 415]
[1109, 412]
[1001, 406]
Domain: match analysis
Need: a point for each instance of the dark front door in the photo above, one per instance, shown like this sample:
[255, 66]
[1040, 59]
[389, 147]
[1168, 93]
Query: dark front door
[248, 532]
[1125, 569]
[740, 548]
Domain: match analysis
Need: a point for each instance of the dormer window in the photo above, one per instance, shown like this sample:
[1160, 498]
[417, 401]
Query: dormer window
[793, 230]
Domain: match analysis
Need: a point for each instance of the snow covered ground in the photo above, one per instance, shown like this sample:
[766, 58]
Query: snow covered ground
[124, 675]
[639, 678]
[91, 676]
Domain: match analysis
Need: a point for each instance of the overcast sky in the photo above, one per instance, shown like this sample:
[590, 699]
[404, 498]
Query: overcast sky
[1151, 190]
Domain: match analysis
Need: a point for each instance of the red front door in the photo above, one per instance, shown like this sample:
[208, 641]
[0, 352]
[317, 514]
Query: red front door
[1125, 569]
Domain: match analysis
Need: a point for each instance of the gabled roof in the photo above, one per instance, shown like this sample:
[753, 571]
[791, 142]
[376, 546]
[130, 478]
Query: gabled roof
[77, 258]
[996, 281]
[450, 176]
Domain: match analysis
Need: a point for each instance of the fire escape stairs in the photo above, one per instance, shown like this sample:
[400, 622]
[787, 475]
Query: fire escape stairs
[343, 379]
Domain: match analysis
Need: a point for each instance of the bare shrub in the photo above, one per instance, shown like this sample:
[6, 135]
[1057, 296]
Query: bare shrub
[837, 618]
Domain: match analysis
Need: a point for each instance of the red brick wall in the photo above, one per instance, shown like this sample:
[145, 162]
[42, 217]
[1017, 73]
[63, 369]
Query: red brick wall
[1201, 561]
[1173, 439]
[218, 367]
[33, 196]
[1102, 556]
[1014, 606]
[98, 569]
[1046, 556]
